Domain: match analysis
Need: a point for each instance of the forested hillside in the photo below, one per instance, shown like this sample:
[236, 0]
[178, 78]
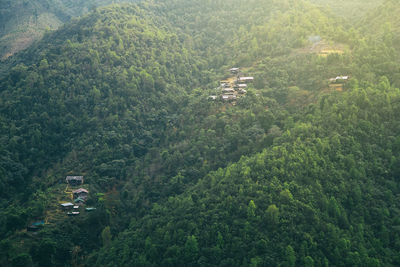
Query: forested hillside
[349, 10]
[299, 170]
[325, 194]
[22, 22]
[383, 23]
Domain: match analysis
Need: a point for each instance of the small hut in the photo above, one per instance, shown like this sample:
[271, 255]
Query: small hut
[240, 86]
[234, 70]
[35, 226]
[67, 206]
[228, 97]
[89, 209]
[74, 180]
[228, 91]
[81, 192]
[245, 79]
[339, 79]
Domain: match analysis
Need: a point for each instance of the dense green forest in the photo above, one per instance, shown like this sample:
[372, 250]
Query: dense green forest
[299, 171]
[23, 22]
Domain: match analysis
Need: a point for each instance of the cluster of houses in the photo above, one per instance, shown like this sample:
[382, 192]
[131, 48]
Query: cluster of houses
[73, 208]
[231, 90]
[79, 196]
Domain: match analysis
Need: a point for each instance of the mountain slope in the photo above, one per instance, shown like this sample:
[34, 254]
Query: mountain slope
[325, 193]
[103, 96]
[23, 22]
[351, 10]
[383, 23]
[100, 95]
[82, 76]
[284, 175]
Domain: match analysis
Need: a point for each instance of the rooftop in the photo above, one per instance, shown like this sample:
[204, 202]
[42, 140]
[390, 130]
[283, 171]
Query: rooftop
[38, 223]
[69, 178]
[246, 78]
[228, 97]
[339, 78]
[80, 190]
[79, 199]
[68, 204]
[90, 209]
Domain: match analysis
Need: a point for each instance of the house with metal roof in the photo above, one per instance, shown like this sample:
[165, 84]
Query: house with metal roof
[245, 79]
[228, 97]
[80, 193]
[66, 206]
[228, 91]
[234, 70]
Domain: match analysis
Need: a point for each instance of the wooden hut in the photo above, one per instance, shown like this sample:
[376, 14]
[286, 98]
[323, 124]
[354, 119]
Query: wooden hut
[80, 193]
[74, 180]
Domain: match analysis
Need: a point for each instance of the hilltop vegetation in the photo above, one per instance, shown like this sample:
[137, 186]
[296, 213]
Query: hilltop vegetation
[383, 24]
[349, 10]
[292, 174]
[22, 22]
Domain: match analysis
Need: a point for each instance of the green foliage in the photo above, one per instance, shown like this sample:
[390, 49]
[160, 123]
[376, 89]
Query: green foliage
[121, 95]
[251, 209]
[23, 22]
[22, 260]
[290, 257]
[308, 262]
[43, 254]
[106, 236]
[191, 250]
[321, 209]
[273, 214]
[351, 10]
